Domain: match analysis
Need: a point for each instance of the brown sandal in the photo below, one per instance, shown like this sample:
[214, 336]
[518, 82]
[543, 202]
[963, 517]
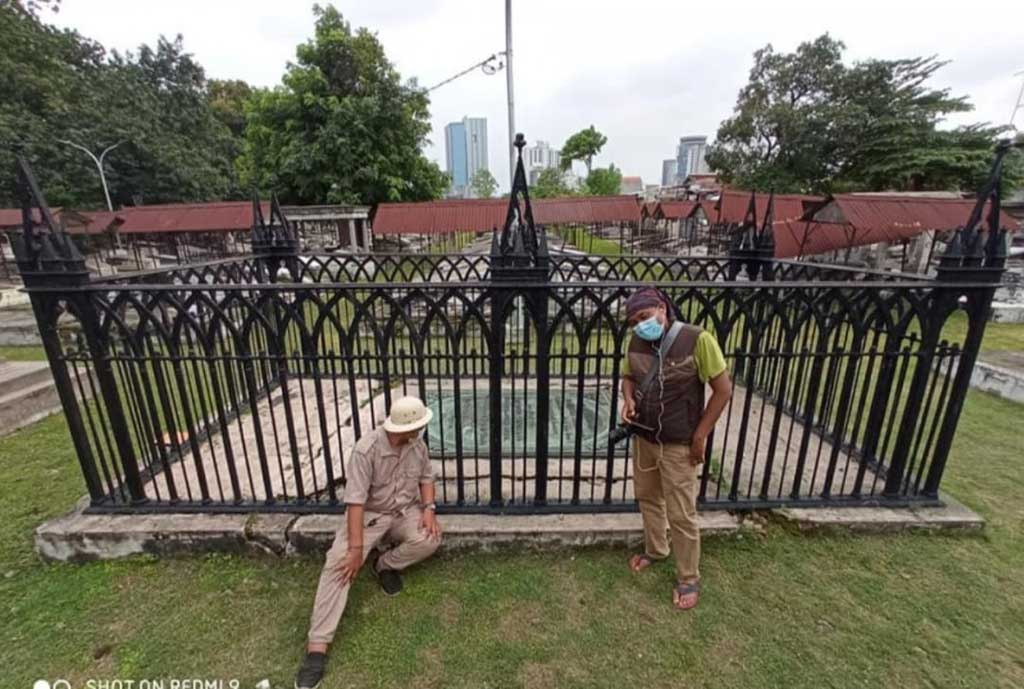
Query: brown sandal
[692, 589]
[640, 562]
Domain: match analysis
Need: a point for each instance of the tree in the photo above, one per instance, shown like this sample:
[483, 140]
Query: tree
[342, 128]
[550, 184]
[806, 122]
[227, 100]
[483, 184]
[583, 145]
[59, 85]
[604, 181]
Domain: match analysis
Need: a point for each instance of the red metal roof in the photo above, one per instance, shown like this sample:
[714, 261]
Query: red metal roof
[220, 216]
[674, 210]
[850, 220]
[888, 217]
[733, 206]
[587, 210]
[10, 218]
[478, 215]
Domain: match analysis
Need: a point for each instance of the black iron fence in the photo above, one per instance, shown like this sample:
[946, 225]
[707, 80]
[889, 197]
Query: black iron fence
[243, 384]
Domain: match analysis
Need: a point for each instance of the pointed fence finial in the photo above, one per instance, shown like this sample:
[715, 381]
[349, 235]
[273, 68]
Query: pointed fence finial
[45, 253]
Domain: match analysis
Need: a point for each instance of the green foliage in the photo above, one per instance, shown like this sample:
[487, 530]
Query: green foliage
[604, 181]
[806, 122]
[59, 85]
[483, 184]
[342, 128]
[583, 145]
[550, 184]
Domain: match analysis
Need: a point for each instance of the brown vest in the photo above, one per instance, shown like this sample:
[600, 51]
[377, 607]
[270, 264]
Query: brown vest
[682, 391]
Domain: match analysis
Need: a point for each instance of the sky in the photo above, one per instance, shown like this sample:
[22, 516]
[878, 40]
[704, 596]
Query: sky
[644, 72]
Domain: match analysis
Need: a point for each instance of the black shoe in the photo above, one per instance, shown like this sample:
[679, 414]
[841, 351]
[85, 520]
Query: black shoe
[311, 672]
[391, 581]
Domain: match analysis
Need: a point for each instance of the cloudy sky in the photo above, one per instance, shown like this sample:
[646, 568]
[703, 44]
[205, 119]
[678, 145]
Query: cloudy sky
[644, 72]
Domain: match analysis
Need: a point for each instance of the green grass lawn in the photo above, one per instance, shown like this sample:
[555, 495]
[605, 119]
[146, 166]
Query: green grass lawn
[779, 610]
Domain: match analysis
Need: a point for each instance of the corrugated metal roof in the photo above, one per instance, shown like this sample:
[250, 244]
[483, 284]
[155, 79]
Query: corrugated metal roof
[674, 210]
[888, 218]
[220, 216]
[10, 218]
[732, 204]
[479, 215]
[587, 210]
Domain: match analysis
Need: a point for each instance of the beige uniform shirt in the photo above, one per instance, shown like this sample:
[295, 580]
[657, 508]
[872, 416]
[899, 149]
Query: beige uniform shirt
[386, 479]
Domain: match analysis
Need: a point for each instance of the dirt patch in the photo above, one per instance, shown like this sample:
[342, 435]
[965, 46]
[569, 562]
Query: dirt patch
[538, 676]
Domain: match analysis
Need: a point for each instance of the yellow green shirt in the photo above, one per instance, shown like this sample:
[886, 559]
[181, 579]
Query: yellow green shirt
[706, 354]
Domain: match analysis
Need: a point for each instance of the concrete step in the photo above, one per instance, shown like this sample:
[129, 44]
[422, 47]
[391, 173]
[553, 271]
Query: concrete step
[27, 404]
[15, 375]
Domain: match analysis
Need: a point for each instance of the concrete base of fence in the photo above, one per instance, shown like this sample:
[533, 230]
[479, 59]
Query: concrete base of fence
[952, 515]
[80, 537]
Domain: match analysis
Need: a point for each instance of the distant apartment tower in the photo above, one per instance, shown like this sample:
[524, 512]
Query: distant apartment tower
[540, 157]
[690, 156]
[465, 148]
[668, 172]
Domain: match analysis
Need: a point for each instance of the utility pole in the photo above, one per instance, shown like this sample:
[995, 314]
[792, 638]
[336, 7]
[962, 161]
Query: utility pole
[99, 165]
[511, 102]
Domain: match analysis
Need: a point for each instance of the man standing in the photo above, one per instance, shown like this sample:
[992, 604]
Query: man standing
[668, 364]
[389, 496]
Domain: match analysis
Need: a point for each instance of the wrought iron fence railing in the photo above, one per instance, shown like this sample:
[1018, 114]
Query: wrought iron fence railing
[243, 384]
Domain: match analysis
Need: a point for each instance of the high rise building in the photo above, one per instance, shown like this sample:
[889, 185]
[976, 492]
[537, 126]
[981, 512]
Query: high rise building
[465, 147]
[455, 156]
[540, 157]
[690, 157]
[668, 172]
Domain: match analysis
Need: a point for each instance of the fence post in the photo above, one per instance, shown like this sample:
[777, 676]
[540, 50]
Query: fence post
[50, 259]
[520, 262]
[977, 254]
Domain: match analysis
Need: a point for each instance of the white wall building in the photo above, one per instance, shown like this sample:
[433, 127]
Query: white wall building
[540, 157]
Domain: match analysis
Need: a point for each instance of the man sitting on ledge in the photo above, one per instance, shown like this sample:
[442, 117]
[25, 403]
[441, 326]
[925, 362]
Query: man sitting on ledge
[389, 496]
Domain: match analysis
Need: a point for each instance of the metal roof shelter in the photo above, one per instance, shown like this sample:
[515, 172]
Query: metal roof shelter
[481, 215]
[842, 221]
[674, 210]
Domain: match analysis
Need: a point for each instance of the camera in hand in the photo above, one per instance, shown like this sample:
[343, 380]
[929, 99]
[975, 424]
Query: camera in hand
[625, 430]
[619, 433]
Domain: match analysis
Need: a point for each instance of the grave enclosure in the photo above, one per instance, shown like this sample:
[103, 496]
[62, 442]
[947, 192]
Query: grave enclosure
[242, 384]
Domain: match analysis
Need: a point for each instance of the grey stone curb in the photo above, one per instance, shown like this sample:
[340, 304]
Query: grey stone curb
[80, 537]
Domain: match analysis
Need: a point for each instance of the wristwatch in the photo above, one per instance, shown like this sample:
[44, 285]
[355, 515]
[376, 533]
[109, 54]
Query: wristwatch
[430, 506]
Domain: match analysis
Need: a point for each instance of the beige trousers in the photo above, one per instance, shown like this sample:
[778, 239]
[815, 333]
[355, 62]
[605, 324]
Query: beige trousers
[411, 545]
[667, 492]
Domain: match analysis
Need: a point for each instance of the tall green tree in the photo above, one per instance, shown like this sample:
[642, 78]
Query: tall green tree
[483, 184]
[343, 127]
[807, 122]
[583, 145]
[59, 85]
[550, 184]
[604, 181]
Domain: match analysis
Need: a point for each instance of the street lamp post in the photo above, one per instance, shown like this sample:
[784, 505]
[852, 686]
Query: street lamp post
[511, 106]
[99, 165]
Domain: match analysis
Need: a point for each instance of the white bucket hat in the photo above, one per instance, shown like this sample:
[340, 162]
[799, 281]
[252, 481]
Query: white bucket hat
[407, 414]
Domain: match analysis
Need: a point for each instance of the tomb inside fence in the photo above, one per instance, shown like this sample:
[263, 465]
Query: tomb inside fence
[244, 383]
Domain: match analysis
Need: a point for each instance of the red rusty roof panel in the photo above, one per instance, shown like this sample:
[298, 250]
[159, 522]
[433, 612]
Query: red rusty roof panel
[674, 210]
[220, 216]
[732, 206]
[891, 218]
[478, 215]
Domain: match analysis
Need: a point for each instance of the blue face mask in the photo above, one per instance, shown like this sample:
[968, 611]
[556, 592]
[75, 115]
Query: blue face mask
[649, 330]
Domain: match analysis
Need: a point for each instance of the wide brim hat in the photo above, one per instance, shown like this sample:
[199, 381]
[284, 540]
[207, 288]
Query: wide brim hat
[408, 414]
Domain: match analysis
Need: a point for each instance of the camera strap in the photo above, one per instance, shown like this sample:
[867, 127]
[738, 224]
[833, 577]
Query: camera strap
[666, 345]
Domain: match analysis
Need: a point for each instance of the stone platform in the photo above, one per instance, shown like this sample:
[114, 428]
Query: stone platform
[1000, 373]
[81, 537]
